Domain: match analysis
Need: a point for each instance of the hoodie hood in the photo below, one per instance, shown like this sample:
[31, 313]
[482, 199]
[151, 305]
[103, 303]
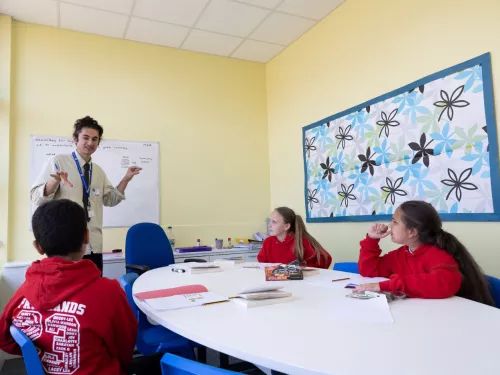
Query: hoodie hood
[54, 280]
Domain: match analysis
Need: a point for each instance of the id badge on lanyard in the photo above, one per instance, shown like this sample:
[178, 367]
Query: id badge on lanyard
[86, 188]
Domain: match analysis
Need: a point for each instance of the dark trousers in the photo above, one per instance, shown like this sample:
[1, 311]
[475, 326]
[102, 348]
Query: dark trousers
[96, 258]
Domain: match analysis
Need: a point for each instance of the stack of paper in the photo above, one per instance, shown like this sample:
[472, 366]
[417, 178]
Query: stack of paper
[262, 295]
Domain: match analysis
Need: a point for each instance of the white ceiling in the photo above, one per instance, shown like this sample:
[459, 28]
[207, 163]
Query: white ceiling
[255, 30]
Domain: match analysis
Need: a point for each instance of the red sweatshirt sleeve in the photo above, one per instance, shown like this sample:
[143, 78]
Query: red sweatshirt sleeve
[443, 281]
[263, 257]
[370, 263]
[312, 259]
[7, 343]
[123, 335]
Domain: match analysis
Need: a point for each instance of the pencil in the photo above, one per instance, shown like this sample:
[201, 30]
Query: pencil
[213, 303]
[347, 278]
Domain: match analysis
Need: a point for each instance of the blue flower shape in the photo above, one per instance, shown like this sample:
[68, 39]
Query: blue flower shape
[415, 108]
[358, 176]
[480, 158]
[403, 99]
[420, 182]
[444, 141]
[409, 169]
[472, 75]
[384, 154]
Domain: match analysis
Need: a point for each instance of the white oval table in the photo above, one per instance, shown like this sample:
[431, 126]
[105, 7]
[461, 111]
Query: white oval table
[312, 335]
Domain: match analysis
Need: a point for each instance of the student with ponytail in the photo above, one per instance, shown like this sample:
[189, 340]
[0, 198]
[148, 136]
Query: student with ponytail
[432, 263]
[290, 241]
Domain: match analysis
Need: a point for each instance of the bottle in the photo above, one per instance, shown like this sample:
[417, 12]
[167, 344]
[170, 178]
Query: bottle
[229, 244]
[198, 243]
[171, 237]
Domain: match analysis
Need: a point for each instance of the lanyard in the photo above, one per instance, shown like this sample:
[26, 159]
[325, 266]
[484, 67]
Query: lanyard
[85, 187]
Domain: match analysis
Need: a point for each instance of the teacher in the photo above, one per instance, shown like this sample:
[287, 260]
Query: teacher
[74, 176]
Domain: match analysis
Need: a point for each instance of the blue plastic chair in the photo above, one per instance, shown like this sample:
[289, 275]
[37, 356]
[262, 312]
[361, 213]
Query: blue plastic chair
[151, 338]
[147, 247]
[174, 365]
[351, 267]
[494, 284]
[30, 352]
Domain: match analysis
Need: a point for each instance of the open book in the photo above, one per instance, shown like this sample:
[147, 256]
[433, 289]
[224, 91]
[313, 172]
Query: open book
[180, 297]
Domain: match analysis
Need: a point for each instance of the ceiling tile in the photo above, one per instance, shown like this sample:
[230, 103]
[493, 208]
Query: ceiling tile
[281, 29]
[228, 17]
[179, 12]
[270, 4]
[118, 6]
[207, 42]
[316, 9]
[257, 51]
[43, 12]
[153, 32]
[92, 21]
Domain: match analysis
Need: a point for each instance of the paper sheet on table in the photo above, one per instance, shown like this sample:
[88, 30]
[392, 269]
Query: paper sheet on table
[327, 282]
[374, 310]
[184, 301]
[258, 266]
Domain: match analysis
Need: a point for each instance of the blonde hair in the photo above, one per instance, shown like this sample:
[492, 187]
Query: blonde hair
[298, 227]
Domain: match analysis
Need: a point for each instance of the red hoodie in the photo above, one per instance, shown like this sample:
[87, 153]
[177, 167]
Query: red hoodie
[81, 323]
[428, 272]
[275, 251]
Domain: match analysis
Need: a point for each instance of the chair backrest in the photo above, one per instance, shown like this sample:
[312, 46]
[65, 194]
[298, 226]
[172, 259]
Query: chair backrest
[127, 282]
[174, 365]
[494, 284]
[351, 267]
[147, 243]
[30, 353]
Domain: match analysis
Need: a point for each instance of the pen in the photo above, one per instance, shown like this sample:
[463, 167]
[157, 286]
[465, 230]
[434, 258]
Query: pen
[347, 278]
[251, 267]
[213, 303]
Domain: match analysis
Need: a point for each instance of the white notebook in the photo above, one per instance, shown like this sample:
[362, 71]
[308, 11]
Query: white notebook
[183, 301]
[265, 295]
[248, 303]
[195, 268]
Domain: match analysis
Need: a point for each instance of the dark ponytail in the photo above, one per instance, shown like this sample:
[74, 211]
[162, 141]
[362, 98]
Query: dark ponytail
[423, 217]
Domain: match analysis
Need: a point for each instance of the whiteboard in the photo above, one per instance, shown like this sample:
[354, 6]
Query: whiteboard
[142, 203]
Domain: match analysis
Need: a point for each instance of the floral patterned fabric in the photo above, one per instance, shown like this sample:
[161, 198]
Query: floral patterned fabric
[426, 141]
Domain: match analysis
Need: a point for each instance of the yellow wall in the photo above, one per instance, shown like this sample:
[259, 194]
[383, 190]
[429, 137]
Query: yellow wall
[207, 112]
[366, 48]
[5, 67]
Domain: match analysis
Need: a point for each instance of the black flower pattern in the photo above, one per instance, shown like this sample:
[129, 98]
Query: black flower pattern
[329, 170]
[346, 194]
[310, 145]
[387, 121]
[422, 152]
[420, 88]
[393, 189]
[459, 183]
[449, 102]
[367, 162]
[311, 197]
[344, 136]
[486, 131]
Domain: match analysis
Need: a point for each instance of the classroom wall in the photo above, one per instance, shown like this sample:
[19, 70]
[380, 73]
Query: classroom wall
[5, 60]
[366, 48]
[207, 112]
